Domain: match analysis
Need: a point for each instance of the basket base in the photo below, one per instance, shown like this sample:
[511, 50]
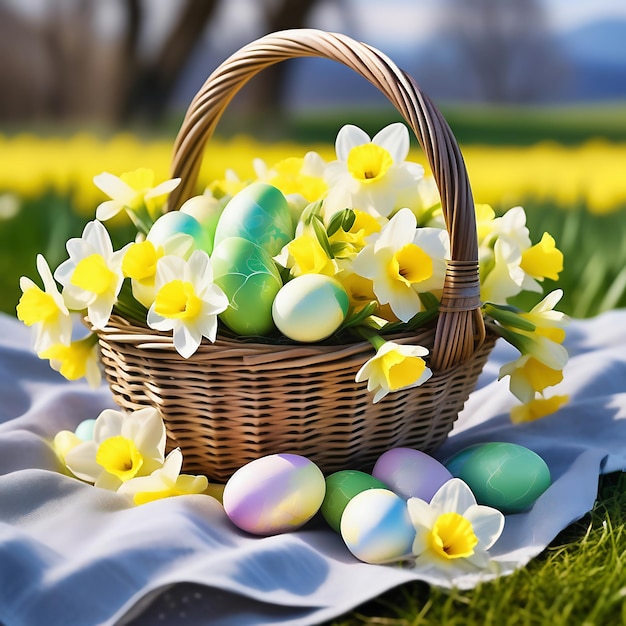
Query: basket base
[233, 402]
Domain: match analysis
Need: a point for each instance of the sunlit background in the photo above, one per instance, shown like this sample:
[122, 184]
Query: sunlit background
[534, 90]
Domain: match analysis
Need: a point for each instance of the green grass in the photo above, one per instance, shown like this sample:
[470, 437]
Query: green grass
[579, 580]
[496, 125]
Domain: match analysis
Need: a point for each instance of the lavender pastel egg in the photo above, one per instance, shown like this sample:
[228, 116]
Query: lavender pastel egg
[274, 494]
[376, 527]
[411, 473]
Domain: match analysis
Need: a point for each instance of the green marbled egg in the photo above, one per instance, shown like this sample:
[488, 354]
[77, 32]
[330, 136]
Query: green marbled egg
[505, 476]
[259, 213]
[247, 274]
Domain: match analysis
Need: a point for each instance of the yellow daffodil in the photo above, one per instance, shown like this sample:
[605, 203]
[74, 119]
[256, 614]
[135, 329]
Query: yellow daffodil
[133, 192]
[543, 260]
[538, 333]
[92, 276]
[78, 359]
[296, 176]
[548, 322]
[140, 262]
[394, 367]
[537, 408]
[164, 482]
[370, 174]
[453, 532]
[404, 261]
[44, 310]
[123, 446]
[529, 376]
[305, 255]
[187, 301]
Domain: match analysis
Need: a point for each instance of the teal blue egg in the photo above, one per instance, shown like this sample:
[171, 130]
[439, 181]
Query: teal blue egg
[259, 213]
[376, 527]
[341, 487]
[174, 223]
[505, 476]
[84, 430]
[248, 276]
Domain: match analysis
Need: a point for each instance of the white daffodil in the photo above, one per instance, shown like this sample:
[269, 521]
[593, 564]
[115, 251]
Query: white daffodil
[370, 174]
[505, 278]
[124, 445]
[394, 367]
[92, 277]
[187, 301]
[453, 533]
[164, 482]
[404, 261]
[132, 191]
[44, 310]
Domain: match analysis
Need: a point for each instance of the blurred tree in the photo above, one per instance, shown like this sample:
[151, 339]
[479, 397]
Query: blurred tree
[149, 83]
[60, 63]
[504, 46]
[266, 94]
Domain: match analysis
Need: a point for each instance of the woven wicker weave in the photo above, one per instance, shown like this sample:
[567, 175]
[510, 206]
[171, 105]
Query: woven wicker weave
[236, 400]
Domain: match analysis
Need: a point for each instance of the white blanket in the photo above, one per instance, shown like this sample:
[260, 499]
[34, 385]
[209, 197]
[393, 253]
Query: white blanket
[72, 554]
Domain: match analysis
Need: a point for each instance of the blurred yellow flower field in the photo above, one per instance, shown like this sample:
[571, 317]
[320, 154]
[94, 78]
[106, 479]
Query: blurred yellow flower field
[591, 174]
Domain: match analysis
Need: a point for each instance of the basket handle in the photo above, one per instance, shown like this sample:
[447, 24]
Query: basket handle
[460, 326]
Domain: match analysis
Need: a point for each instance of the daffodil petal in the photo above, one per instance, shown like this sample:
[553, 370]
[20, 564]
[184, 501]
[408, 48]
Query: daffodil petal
[454, 496]
[348, 137]
[114, 187]
[395, 139]
[108, 209]
[487, 523]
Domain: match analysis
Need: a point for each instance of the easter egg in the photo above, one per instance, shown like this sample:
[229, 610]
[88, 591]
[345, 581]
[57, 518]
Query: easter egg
[206, 210]
[84, 431]
[376, 526]
[506, 476]
[411, 473]
[274, 494]
[174, 223]
[310, 307]
[341, 487]
[259, 213]
[250, 279]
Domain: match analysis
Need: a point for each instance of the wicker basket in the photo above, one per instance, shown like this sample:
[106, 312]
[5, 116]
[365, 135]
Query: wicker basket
[236, 400]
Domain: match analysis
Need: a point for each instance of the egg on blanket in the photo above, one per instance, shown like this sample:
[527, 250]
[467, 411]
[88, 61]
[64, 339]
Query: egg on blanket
[376, 527]
[506, 476]
[411, 473]
[84, 431]
[259, 213]
[310, 307]
[274, 494]
[248, 276]
[341, 487]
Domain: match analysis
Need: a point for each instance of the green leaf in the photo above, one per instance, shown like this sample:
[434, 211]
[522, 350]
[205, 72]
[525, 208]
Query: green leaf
[360, 316]
[508, 316]
[322, 237]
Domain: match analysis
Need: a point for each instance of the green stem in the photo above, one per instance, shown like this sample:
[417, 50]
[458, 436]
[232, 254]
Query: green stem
[371, 335]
